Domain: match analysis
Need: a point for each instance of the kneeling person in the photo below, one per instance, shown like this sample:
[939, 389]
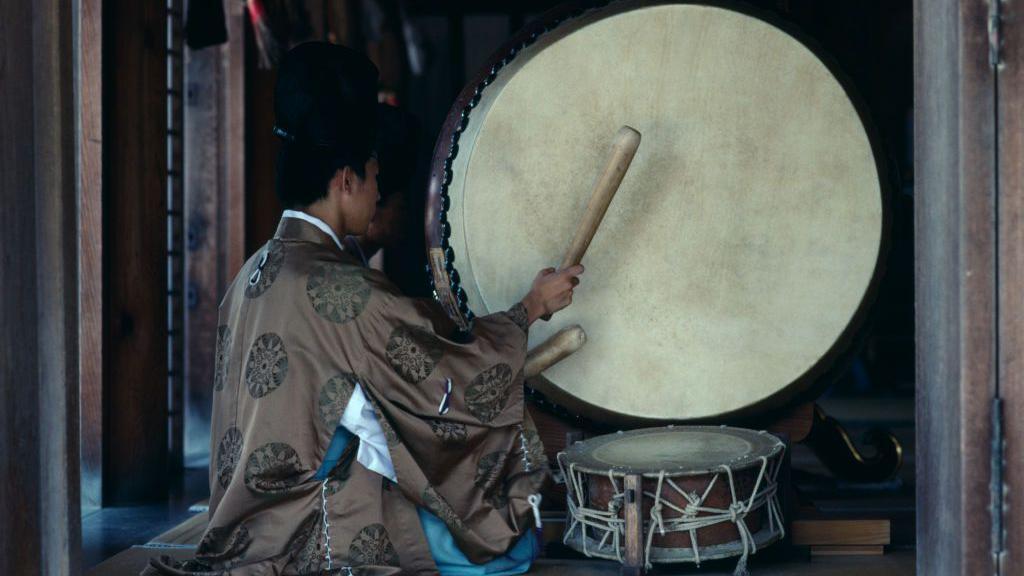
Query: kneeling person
[354, 431]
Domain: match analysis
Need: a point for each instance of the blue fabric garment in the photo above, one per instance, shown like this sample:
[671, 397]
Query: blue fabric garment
[335, 449]
[449, 559]
[452, 562]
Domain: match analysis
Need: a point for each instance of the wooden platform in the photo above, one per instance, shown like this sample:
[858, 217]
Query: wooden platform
[825, 559]
[895, 563]
[812, 532]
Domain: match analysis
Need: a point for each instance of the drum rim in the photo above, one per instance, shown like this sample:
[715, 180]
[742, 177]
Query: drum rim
[584, 461]
[443, 274]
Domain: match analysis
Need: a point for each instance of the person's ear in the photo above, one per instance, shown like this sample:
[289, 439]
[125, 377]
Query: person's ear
[347, 180]
[337, 183]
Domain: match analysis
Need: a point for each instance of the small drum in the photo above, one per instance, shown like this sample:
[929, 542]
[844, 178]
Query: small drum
[706, 493]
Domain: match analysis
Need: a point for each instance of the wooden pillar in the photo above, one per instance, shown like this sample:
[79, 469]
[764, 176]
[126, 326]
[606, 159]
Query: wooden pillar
[262, 208]
[175, 225]
[39, 499]
[135, 250]
[214, 208]
[956, 284]
[19, 339]
[1010, 161]
[89, 102]
[204, 108]
[232, 221]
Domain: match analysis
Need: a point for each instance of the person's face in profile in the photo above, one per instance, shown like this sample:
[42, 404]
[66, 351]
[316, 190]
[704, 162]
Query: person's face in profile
[361, 198]
[388, 226]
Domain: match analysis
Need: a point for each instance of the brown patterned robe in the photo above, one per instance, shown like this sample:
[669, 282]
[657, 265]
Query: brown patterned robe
[301, 323]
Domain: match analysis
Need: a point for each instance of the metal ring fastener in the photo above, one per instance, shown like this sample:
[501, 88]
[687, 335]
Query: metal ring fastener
[446, 388]
[254, 278]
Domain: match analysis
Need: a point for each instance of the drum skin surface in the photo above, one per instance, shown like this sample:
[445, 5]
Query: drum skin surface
[741, 248]
[686, 451]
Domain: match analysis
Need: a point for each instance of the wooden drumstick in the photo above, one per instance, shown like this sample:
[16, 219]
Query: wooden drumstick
[554, 349]
[624, 147]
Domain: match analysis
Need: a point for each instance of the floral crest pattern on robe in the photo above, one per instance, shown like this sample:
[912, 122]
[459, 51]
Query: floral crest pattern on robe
[301, 324]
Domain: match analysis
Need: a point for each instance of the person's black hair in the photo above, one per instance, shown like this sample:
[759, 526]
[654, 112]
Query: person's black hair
[325, 113]
[304, 173]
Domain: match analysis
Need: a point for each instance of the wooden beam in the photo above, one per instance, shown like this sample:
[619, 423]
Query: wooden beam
[955, 243]
[232, 223]
[262, 208]
[1010, 127]
[204, 180]
[176, 290]
[342, 23]
[214, 207]
[89, 114]
[135, 253]
[39, 498]
[57, 275]
[19, 408]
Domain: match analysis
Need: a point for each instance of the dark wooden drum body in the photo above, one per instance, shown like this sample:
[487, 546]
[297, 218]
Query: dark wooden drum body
[602, 493]
[707, 492]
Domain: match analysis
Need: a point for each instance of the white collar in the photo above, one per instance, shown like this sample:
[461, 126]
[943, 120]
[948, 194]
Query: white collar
[315, 222]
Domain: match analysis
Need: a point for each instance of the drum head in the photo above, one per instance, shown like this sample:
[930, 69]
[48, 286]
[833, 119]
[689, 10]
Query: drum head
[737, 256]
[678, 451]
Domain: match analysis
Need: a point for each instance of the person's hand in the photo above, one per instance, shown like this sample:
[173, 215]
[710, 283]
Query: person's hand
[551, 291]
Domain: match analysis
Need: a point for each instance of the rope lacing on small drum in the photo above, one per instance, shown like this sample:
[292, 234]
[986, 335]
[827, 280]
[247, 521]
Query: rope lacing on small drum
[736, 511]
[692, 504]
[656, 508]
[691, 517]
[605, 522]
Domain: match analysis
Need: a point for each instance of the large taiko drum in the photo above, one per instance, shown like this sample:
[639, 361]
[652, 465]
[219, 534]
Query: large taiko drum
[738, 258]
[706, 493]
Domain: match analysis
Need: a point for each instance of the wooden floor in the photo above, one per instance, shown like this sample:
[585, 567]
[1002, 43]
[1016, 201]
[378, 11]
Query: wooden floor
[892, 502]
[180, 543]
[894, 563]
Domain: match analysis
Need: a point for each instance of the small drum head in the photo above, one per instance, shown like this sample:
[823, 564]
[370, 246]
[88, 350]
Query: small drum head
[679, 451]
[737, 258]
